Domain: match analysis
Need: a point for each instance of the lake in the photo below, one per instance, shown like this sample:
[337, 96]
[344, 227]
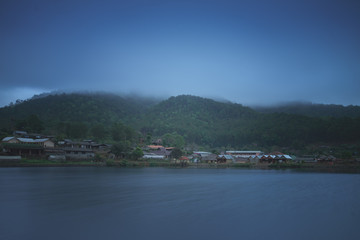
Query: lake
[160, 203]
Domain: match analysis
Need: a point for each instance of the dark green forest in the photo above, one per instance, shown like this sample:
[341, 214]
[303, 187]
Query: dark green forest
[186, 122]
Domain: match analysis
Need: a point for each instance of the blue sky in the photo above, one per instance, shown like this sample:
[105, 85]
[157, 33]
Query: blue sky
[250, 52]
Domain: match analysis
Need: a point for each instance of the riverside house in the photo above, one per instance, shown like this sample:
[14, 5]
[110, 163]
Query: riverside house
[280, 158]
[26, 147]
[157, 152]
[78, 150]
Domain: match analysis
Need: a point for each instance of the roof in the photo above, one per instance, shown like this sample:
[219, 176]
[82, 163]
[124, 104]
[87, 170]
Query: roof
[26, 140]
[30, 140]
[243, 151]
[155, 146]
[5, 139]
[228, 157]
[153, 156]
[275, 157]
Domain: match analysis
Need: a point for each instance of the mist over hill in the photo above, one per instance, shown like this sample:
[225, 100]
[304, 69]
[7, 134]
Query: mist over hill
[198, 121]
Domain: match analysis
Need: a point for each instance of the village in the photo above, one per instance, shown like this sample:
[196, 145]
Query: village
[35, 146]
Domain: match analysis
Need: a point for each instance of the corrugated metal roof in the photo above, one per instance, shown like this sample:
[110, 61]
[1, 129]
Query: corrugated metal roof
[5, 139]
[30, 140]
[243, 151]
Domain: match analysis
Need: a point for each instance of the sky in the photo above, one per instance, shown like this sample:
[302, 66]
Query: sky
[253, 52]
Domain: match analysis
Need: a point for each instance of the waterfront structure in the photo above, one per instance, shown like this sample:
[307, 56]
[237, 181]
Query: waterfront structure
[26, 146]
[243, 154]
[281, 158]
[78, 150]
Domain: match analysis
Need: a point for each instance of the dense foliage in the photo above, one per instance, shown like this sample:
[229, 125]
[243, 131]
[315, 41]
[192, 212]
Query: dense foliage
[181, 121]
[313, 110]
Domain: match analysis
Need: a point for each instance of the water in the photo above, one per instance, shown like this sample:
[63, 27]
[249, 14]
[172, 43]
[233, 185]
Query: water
[157, 203]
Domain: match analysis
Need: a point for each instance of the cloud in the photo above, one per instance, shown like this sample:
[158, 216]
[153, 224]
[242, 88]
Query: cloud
[13, 94]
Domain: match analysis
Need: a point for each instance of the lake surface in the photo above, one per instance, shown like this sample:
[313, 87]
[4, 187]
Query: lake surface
[159, 203]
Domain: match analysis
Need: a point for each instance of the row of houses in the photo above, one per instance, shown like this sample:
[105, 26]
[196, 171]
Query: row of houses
[49, 148]
[242, 157]
[160, 152]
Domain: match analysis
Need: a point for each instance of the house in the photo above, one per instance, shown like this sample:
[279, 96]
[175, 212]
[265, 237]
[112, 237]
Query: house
[22, 149]
[44, 142]
[153, 156]
[26, 146]
[211, 158]
[254, 159]
[281, 158]
[243, 154]
[157, 151]
[201, 154]
[77, 150]
[326, 159]
[225, 158]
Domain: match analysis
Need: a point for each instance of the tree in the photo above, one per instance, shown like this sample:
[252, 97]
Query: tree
[76, 130]
[120, 132]
[98, 131]
[173, 140]
[34, 123]
[121, 149]
[137, 153]
[176, 153]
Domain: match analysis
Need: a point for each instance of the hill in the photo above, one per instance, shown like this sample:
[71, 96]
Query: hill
[199, 120]
[183, 119]
[207, 122]
[57, 111]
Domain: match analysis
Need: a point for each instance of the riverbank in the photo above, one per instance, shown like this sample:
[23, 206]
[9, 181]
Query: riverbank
[338, 167]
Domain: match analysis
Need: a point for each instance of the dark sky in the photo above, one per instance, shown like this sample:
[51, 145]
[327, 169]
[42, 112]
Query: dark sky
[250, 52]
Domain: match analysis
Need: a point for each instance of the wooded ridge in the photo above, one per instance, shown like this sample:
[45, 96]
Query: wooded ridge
[198, 121]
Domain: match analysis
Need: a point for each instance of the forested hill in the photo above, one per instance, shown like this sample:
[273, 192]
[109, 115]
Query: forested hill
[313, 110]
[198, 121]
[58, 109]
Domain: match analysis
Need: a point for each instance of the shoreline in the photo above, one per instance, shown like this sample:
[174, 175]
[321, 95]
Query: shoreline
[344, 167]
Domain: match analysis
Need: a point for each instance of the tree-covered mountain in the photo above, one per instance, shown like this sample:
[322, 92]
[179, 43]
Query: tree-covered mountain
[198, 120]
[67, 112]
[178, 120]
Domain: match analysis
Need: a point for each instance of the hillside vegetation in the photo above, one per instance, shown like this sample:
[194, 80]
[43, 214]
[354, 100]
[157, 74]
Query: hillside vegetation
[313, 110]
[192, 121]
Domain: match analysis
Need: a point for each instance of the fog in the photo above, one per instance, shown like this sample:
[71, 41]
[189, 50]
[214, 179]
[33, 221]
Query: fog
[248, 52]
